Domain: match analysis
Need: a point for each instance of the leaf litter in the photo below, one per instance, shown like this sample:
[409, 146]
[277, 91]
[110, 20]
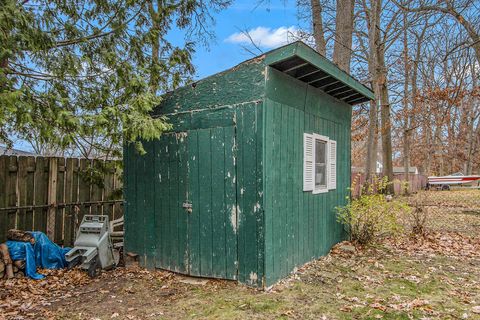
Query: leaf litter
[434, 276]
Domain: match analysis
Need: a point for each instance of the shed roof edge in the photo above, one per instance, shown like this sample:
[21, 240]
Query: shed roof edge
[305, 52]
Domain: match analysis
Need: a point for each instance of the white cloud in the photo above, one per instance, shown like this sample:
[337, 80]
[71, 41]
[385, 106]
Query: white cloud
[266, 37]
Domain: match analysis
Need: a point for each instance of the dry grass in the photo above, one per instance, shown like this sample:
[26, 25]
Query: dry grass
[450, 211]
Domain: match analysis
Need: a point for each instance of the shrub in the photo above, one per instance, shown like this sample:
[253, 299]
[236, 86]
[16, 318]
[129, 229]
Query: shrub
[371, 215]
[418, 214]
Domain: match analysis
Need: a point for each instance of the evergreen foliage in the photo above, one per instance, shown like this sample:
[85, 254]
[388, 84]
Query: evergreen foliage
[86, 73]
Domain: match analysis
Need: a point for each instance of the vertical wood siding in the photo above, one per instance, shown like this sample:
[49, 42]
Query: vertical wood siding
[300, 226]
[250, 194]
[220, 110]
[217, 170]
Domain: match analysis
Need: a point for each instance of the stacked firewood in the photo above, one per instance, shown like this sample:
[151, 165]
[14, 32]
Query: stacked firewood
[9, 268]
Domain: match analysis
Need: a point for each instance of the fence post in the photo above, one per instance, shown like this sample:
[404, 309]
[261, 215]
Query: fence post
[52, 197]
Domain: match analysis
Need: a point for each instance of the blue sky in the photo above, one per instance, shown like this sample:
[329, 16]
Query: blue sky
[271, 24]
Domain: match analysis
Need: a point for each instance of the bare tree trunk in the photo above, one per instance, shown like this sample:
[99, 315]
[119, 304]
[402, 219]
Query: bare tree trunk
[472, 134]
[386, 126]
[428, 145]
[406, 109]
[373, 17]
[342, 49]
[371, 142]
[317, 24]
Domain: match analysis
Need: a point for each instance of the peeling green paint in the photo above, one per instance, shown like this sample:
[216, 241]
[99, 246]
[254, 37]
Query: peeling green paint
[235, 158]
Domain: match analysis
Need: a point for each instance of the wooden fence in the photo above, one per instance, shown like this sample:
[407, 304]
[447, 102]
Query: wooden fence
[52, 194]
[416, 182]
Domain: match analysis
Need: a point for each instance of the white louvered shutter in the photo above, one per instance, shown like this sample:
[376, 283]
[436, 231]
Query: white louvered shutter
[308, 165]
[332, 164]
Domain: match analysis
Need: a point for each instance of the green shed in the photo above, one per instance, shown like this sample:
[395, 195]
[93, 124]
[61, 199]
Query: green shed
[245, 185]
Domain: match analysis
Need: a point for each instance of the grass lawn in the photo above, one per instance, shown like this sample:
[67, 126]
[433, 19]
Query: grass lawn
[431, 277]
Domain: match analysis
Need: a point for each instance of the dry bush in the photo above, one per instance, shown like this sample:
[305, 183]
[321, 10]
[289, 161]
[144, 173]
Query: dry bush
[418, 214]
[371, 215]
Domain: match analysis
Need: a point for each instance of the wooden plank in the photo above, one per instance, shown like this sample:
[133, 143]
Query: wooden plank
[320, 203]
[172, 231]
[284, 254]
[71, 190]
[270, 144]
[97, 187]
[162, 201]
[118, 208]
[218, 176]
[60, 198]
[22, 191]
[75, 195]
[312, 213]
[30, 192]
[130, 198]
[336, 199]
[168, 177]
[276, 208]
[298, 182]
[108, 188]
[12, 191]
[140, 192]
[182, 214]
[159, 194]
[3, 198]
[148, 213]
[41, 191]
[249, 207]
[230, 205]
[83, 190]
[291, 189]
[259, 192]
[302, 195]
[52, 197]
[205, 200]
[241, 222]
[194, 217]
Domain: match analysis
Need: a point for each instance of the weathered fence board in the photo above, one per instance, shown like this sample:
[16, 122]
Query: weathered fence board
[52, 194]
[416, 182]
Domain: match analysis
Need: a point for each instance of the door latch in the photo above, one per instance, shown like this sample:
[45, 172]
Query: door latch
[187, 206]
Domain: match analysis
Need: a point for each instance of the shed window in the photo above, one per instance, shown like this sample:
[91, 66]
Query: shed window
[320, 163]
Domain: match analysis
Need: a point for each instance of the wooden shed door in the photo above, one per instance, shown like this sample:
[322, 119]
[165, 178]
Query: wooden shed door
[211, 203]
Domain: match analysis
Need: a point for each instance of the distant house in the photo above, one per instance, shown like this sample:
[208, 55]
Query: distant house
[379, 169]
[4, 151]
[401, 170]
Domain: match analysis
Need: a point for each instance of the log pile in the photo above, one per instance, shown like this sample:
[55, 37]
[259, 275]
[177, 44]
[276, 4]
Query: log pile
[8, 268]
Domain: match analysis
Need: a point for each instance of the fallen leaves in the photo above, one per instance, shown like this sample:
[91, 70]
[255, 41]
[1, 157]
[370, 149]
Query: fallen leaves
[24, 295]
[450, 244]
[434, 276]
[25, 298]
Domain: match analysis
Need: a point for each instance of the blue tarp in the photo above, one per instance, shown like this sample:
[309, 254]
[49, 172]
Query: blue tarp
[43, 254]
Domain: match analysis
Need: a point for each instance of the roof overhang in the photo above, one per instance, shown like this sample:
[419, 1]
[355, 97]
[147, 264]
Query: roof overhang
[305, 64]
